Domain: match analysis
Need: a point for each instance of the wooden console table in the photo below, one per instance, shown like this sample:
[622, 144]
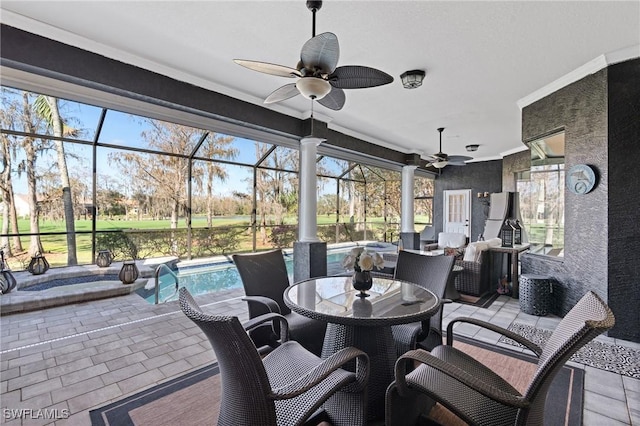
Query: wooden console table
[512, 273]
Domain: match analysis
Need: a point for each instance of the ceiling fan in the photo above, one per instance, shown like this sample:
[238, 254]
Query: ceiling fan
[441, 159]
[318, 77]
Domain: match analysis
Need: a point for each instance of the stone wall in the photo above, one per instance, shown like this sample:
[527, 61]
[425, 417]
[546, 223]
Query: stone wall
[597, 253]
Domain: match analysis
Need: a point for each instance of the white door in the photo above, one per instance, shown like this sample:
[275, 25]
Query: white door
[457, 211]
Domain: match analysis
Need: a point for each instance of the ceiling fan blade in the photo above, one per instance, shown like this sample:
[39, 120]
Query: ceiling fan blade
[267, 68]
[358, 77]
[440, 156]
[280, 94]
[334, 99]
[459, 159]
[321, 52]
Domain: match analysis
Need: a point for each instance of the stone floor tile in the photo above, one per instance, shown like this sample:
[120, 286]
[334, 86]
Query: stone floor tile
[133, 358]
[141, 381]
[157, 361]
[76, 389]
[608, 407]
[73, 356]
[95, 398]
[592, 418]
[17, 362]
[83, 374]
[27, 380]
[175, 368]
[123, 373]
[46, 386]
[109, 355]
[37, 366]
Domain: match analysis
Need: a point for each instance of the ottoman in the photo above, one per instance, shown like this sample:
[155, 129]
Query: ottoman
[536, 292]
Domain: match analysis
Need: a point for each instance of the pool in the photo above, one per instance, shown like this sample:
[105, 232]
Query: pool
[204, 279]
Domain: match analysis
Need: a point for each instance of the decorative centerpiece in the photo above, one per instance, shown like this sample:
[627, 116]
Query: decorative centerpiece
[362, 262]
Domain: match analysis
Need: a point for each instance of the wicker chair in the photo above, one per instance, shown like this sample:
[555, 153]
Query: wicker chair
[264, 277]
[432, 273]
[289, 386]
[475, 277]
[478, 395]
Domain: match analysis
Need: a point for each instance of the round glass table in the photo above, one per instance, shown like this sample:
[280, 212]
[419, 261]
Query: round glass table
[363, 322]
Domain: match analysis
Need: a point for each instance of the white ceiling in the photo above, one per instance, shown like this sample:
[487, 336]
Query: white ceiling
[481, 57]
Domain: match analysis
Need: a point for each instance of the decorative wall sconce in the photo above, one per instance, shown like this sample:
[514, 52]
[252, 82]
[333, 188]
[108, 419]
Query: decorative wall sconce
[129, 272]
[484, 198]
[38, 265]
[104, 258]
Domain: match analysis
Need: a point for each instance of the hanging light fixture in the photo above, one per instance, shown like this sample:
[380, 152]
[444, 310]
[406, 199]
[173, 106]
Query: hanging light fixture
[412, 79]
[313, 87]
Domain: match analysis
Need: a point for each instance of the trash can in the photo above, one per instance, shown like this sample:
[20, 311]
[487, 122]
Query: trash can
[536, 292]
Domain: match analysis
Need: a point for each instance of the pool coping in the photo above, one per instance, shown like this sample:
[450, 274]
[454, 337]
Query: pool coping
[22, 300]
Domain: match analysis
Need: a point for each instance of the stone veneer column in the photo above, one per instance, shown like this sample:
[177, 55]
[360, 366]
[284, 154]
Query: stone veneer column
[309, 253]
[410, 238]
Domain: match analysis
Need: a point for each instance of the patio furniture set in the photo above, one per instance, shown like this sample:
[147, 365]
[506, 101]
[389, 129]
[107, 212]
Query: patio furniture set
[381, 357]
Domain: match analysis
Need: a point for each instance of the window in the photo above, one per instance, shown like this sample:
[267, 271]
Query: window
[541, 192]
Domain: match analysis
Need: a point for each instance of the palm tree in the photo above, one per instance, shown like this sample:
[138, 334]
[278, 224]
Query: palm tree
[47, 108]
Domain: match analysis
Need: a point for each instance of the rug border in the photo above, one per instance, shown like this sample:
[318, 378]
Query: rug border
[110, 413]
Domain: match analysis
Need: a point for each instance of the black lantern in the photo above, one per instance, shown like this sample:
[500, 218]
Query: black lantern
[7, 280]
[38, 265]
[104, 258]
[506, 234]
[129, 272]
[517, 232]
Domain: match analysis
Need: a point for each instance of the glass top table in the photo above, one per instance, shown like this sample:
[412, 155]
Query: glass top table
[363, 322]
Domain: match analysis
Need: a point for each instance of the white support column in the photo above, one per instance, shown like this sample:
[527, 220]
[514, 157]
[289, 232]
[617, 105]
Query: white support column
[406, 203]
[308, 196]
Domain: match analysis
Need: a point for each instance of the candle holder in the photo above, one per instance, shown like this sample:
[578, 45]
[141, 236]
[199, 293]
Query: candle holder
[38, 264]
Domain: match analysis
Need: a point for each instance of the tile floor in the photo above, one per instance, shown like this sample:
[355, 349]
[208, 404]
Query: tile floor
[71, 359]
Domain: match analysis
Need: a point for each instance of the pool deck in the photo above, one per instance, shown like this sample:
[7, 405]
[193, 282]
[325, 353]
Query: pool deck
[85, 355]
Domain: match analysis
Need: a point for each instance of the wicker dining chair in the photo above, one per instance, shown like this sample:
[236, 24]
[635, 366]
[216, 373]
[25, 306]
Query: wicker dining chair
[265, 278]
[477, 394]
[432, 273]
[289, 386]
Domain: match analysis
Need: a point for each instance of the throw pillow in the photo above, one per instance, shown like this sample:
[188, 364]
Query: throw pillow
[458, 253]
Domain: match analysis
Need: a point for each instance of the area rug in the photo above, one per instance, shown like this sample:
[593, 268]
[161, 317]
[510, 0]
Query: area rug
[194, 398]
[483, 301]
[615, 358]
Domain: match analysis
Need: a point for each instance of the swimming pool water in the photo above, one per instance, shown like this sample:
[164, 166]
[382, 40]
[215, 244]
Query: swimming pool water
[212, 278]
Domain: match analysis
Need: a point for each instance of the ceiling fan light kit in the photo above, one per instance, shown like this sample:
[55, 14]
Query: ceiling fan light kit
[472, 148]
[319, 76]
[412, 79]
[441, 159]
[313, 88]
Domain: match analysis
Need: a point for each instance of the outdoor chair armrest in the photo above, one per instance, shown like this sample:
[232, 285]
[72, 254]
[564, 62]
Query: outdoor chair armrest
[429, 247]
[490, 391]
[261, 319]
[507, 333]
[271, 304]
[322, 371]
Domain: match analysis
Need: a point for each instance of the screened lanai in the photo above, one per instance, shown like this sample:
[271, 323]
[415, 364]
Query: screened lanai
[79, 177]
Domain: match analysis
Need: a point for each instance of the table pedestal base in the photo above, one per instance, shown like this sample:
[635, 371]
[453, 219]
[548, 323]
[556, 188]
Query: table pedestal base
[378, 343]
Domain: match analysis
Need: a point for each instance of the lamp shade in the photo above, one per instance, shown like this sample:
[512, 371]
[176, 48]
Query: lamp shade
[412, 79]
[313, 87]
[440, 164]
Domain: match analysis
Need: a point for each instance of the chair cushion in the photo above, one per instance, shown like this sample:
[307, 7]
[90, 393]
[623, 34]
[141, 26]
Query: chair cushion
[451, 239]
